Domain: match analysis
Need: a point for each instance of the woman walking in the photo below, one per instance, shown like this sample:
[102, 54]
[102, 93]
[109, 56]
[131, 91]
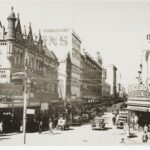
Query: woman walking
[50, 127]
[145, 137]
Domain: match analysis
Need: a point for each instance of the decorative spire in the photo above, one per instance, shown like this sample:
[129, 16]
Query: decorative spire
[11, 25]
[12, 8]
[18, 21]
[0, 24]
[99, 58]
[29, 24]
[40, 38]
[18, 15]
[12, 14]
[30, 35]
[24, 32]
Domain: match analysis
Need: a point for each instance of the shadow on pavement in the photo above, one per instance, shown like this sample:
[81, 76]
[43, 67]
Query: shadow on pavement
[105, 129]
[9, 134]
[1, 138]
[69, 129]
[132, 136]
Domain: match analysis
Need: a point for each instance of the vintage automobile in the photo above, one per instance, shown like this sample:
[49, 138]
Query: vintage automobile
[77, 120]
[85, 118]
[98, 123]
[63, 124]
[121, 119]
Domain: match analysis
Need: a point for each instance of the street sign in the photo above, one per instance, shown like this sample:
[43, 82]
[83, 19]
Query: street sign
[31, 111]
[44, 106]
[139, 90]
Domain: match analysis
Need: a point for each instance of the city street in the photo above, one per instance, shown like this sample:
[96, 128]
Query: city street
[77, 135]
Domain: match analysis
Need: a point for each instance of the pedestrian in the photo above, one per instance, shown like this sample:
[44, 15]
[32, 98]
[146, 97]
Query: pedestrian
[50, 126]
[145, 128]
[123, 134]
[114, 120]
[40, 127]
[55, 122]
[21, 127]
[145, 137]
[1, 127]
[149, 131]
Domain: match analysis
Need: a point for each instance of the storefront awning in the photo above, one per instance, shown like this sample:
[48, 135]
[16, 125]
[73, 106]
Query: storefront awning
[137, 108]
[138, 103]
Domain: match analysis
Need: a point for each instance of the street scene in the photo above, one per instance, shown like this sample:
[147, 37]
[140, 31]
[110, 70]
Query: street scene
[77, 135]
[74, 73]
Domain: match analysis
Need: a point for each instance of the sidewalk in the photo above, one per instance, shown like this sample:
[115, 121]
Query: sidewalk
[136, 140]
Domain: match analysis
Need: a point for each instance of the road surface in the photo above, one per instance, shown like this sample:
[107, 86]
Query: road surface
[76, 136]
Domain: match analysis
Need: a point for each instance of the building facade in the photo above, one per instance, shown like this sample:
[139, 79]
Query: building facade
[91, 79]
[112, 81]
[66, 45]
[138, 102]
[105, 88]
[19, 48]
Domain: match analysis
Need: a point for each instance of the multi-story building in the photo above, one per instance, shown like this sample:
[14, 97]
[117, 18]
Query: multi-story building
[105, 88]
[91, 79]
[112, 80]
[19, 49]
[120, 88]
[66, 45]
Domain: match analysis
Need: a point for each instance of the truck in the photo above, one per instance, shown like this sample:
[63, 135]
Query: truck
[122, 118]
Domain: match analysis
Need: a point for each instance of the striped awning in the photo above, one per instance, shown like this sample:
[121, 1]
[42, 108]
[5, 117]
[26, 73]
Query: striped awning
[138, 108]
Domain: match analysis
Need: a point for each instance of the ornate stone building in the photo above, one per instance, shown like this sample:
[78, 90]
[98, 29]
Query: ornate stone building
[19, 48]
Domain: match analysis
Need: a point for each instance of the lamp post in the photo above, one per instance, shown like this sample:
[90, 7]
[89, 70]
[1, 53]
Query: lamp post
[27, 81]
[25, 107]
[25, 104]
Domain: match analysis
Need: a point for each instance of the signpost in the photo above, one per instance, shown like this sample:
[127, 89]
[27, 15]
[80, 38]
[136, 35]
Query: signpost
[31, 111]
[24, 108]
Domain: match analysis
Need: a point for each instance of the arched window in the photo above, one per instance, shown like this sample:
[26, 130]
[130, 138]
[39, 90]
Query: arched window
[17, 58]
[21, 60]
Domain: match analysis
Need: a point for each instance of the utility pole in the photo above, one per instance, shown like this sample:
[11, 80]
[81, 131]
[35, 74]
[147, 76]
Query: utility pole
[25, 105]
[26, 93]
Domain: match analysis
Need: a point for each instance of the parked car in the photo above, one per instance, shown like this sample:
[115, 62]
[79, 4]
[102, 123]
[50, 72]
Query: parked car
[63, 124]
[77, 120]
[98, 123]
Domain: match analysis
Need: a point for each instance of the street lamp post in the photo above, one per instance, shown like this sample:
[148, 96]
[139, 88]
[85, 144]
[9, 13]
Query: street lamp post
[27, 81]
[25, 105]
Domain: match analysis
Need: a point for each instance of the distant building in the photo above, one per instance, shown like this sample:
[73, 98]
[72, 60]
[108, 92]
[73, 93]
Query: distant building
[91, 79]
[105, 88]
[66, 45]
[120, 88]
[112, 81]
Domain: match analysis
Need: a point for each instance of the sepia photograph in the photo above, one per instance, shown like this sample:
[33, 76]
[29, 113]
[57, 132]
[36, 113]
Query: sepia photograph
[74, 73]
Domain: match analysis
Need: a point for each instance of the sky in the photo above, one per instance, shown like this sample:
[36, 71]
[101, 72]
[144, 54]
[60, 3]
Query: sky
[117, 29]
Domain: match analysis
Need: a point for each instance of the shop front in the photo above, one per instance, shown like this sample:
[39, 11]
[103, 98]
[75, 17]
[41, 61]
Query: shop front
[11, 107]
[138, 103]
